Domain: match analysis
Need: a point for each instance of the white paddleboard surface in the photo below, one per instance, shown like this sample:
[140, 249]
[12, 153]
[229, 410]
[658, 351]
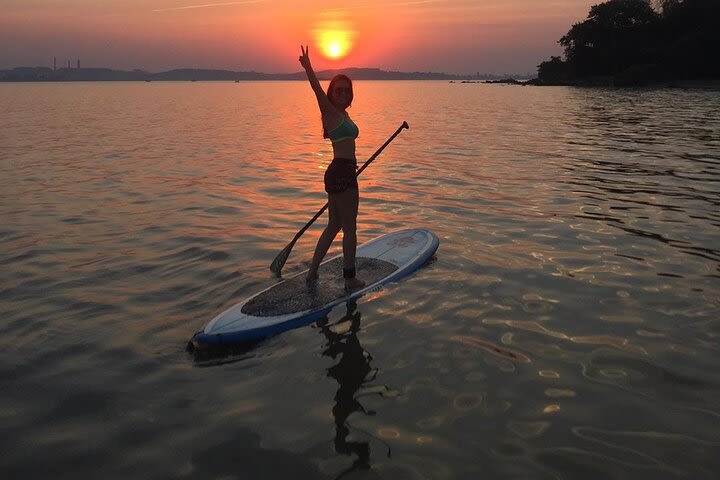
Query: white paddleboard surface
[292, 303]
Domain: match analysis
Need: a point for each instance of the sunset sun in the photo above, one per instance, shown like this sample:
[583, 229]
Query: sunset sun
[335, 44]
[334, 35]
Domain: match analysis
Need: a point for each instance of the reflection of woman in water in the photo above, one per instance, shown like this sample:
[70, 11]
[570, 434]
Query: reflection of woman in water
[340, 179]
[351, 372]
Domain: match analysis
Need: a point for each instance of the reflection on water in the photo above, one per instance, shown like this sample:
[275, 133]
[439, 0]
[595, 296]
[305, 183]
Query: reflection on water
[567, 327]
[353, 373]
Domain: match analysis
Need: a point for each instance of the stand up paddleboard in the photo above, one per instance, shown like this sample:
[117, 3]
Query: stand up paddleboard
[291, 303]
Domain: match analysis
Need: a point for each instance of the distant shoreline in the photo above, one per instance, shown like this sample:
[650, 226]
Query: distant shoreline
[45, 74]
[707, 84]
[67, 75]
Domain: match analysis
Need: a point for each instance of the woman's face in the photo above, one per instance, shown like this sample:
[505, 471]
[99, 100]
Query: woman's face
[342, 92]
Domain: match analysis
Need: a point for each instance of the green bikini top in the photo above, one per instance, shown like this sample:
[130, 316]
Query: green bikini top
[346, 129]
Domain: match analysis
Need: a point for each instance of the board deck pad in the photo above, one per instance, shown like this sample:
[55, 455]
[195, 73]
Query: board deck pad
[294, 295]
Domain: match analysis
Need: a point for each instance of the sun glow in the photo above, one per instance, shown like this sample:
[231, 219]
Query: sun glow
[334, 37]
[334, 43]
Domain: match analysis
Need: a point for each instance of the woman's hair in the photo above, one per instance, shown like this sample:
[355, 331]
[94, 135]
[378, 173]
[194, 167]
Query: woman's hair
[337, 78]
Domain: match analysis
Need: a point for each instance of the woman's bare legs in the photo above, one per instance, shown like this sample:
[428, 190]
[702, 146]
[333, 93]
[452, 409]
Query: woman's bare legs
[326, 238]
[348, 202]
[342, 211]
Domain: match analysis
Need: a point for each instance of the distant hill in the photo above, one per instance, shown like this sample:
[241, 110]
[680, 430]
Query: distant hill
[45, 74]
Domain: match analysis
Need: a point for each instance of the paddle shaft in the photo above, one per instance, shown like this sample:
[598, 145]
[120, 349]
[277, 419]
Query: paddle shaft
[365, 165]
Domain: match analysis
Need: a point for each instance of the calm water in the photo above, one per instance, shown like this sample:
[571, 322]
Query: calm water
[568, 325]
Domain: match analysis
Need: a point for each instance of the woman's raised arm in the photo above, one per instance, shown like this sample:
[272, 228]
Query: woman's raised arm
[323, 101]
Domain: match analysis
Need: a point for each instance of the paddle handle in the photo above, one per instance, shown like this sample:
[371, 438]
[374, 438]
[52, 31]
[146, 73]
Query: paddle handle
[397, 132]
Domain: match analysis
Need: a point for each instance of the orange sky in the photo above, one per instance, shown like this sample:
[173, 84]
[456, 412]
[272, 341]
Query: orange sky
[453, 36]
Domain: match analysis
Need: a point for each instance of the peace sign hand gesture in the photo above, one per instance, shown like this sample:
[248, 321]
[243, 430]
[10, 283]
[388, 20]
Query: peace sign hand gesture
[305, 58]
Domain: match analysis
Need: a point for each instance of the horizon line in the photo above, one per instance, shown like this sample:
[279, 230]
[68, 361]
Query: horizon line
[64, 67]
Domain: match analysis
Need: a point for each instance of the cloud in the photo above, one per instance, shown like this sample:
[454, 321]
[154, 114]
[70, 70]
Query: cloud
[418, 2]
[383, 5]
[188, 7]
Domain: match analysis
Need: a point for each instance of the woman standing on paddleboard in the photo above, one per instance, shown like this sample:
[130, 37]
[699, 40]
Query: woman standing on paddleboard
[340, 178]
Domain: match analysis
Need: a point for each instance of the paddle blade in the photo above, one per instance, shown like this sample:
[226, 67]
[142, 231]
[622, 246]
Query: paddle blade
[277, 265]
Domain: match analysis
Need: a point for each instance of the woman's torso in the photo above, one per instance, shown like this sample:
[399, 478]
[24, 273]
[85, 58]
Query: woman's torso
[344, 148]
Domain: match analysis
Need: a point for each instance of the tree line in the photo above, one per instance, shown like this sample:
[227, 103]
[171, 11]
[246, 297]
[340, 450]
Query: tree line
[634, 42]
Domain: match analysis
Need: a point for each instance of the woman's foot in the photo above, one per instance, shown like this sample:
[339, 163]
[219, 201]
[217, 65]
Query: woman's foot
[312, 278]
[353, 284]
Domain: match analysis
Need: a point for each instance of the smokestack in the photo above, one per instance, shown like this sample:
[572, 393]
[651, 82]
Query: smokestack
[78, 64]
[54, 64]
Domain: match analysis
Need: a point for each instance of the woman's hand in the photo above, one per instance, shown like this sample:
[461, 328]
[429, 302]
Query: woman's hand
[305, 58]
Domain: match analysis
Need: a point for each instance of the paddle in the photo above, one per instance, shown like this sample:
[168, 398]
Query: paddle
[277, 264]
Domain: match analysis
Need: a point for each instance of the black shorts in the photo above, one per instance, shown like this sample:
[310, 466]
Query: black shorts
[340, 175]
